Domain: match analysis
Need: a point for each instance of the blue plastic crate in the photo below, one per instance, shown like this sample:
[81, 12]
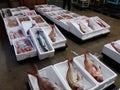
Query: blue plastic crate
[116, 2]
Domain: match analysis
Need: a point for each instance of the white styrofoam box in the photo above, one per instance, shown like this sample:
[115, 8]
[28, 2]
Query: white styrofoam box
[111, 52]
[86, 82]
[30, 13]
[15, 33]
[83, 36]
[16, 12]
[60, 39]
[76, 25]
[108, 75]
[42, 25]
[23, 8]
[10, 22]
[99, 20]
[92, 23]
[21, 19]
[65, 24]
[75, 15]
[5, 11]
[14, 9]
[27, 25]
[50, 73]
[67, 16]
[74, 29]
[41, 53]
[26, 54]
[38, 19]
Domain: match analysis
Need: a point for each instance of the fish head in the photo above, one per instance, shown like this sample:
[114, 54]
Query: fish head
[77, 86]
[99, 78]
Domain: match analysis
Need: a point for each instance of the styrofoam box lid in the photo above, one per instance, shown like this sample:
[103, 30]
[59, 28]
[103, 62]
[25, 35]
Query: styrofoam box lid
[50, 73]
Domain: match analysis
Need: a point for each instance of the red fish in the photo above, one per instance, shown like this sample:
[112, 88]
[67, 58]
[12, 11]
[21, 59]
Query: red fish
[43, 83]
[113, 45]
[52, 34]
[91, 67]
[73, 77]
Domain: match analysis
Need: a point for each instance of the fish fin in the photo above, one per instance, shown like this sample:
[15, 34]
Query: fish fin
[33, 72]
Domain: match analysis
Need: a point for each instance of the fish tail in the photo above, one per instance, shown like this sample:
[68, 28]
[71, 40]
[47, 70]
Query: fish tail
[70, 59]
[33, 72]
[85, 51]
[112, 43]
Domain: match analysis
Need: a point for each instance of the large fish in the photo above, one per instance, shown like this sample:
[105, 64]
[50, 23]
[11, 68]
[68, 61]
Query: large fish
[92, 68]
[73, 76]
[42, 42]
[113, 45]
[43, 83]
[52, 34]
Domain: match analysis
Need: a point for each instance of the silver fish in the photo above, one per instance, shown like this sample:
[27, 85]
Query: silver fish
[42, 42]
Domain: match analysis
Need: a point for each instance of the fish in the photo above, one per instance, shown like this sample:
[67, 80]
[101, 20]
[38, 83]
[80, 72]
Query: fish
[91, 67]
[42, 42]
[73, 77]
[81, 28]
[52, 34]
[90, 25]
[113, 45]
[43, 83]
[100, 23]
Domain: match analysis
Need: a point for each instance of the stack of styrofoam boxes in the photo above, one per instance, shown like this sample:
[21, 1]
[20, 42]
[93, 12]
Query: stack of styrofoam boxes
[87, 82]
[110, 51]
[36, 33]
[17, 36]
[99, 27]
[29, 19]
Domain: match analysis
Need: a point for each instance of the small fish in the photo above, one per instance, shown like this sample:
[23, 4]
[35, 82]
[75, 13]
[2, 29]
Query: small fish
[91, 67]
[42, 42]
[73, 76]
[52, 34]
[81, 28]
[43, 83]
[113, 45]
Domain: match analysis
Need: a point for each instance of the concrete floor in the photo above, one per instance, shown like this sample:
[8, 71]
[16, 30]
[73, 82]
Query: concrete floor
[13, 74]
